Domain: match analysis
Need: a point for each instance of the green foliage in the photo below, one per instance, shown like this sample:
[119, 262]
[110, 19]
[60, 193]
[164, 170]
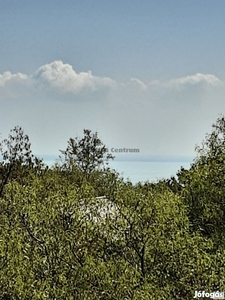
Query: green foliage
[17, 158]
[66, 236]
[86, 154]
[203, 186]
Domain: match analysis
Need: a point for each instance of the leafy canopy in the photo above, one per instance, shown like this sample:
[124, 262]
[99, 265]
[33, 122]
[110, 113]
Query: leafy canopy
[87, 154]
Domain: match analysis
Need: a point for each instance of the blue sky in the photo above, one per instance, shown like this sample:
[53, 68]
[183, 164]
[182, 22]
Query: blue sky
[120, 39]
[144, 74]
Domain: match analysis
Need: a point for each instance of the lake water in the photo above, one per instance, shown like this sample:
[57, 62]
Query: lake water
[136, 171]
[147, 170]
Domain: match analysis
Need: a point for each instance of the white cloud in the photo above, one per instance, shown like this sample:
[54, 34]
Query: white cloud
[194, 80]
[138, 83]
[7, 77]
[62, 77]
[157, 117]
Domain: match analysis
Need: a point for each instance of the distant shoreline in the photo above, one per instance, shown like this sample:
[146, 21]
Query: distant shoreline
[132, 158]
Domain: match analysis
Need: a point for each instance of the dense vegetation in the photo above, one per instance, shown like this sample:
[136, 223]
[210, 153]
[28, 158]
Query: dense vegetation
[61, 239]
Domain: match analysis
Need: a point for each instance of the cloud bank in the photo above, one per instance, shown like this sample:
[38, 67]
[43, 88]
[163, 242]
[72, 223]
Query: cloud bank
[164, 118]
[60, 77]
[8, 77]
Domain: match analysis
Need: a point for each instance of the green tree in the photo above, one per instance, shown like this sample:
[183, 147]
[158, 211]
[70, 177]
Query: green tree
[17, 157]
[203, 186]
[87, 154]
[58, 241]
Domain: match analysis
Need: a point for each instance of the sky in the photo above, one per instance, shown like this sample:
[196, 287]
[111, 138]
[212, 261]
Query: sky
[147, 75]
